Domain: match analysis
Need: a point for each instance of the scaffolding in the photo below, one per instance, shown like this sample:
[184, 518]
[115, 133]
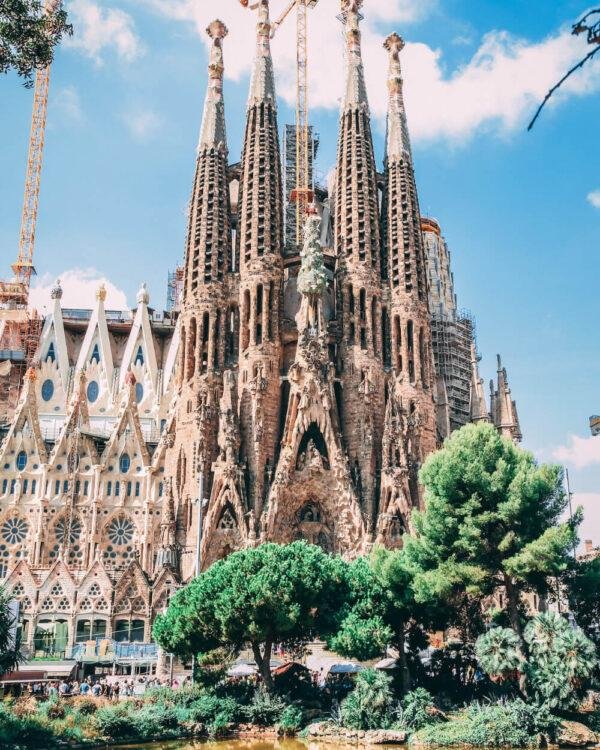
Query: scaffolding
[174, 289]
[290, 180]
[451, 342]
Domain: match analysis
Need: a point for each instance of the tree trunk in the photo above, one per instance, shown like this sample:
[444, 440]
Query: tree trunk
[263, 662]
[404, 671]
[512, 598]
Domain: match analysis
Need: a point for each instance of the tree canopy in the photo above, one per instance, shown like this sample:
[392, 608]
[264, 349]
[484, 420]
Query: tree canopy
[28, 36]
[583, 591]
[256, 597]
[491, 520]
[9, 645]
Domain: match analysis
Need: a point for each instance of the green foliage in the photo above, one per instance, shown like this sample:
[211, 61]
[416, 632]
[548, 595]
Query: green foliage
[290, 721]
[28, 36]
[265, 708]
[9, 650]
[369, 705]
[361, 638]
[583, 590]
[206, 707]
[116, 722]
[491, 518]
[561, 658]
[258, 596]
[24, 732]
[498, 652]
[497, 725]
[416, 710]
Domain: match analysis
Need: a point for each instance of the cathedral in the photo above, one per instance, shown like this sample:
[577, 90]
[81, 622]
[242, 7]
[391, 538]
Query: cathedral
[294, 393]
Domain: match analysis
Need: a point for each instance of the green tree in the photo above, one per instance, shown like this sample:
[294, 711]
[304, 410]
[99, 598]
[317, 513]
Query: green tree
[28, 36]
[9, 645]
[369, 705]
[256, 597]
[491, 520]
[583, 591]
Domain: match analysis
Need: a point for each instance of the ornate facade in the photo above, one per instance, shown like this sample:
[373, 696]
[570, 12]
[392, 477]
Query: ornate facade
[295, 392]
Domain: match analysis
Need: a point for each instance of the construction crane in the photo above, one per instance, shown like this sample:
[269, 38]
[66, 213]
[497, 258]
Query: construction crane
[302, 194]
[19, 329]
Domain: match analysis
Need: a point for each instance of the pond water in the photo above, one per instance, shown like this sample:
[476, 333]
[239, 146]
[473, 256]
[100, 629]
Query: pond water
[240, 745]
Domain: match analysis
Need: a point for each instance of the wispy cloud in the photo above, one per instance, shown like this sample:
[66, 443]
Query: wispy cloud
[497, 89]
[97, 29]
[66, 101]
[580, 452]
[143, 124]
[594, 198]
[79, 287]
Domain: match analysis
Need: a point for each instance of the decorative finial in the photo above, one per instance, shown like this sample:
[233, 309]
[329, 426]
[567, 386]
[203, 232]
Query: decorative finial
[394, 44]
[217, 30]
[31, 375]
[130, 378]
[101, 293]
[143, 295]
[57, 291]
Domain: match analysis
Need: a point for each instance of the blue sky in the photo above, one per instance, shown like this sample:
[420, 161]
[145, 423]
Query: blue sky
[517, 208]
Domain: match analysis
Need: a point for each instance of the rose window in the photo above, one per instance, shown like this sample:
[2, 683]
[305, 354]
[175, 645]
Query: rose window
[120, 531]
[14, 530]
[60, 530]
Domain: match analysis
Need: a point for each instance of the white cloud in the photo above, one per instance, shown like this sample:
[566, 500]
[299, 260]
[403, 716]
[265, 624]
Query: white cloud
[79, 290]
[594, 198]
[66, 100]
[580, 452]
[97, 29]
[498, 88]
[143, 124]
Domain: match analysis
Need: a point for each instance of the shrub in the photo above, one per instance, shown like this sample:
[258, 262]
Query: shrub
[53, 708]
[85, 706]
[498, 653]
[290, 720]
[24, 732]
[155, 720]
[494, 725]
[415, 711]
[369, 705]
[208, 706]
[116, 722]
[265, 708]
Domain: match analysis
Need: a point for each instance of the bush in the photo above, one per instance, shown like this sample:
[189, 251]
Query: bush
[265, 708]
[416, 710]
[290, 720]
[498, 653]
[53, 708]
[369, 705]
[85, 706]
[24, 732]
[116, 722]
[208, 706]
[155, 720]
[494, 725]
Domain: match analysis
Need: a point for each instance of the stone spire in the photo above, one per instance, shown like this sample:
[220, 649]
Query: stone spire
[404, 267]
[262, 84]
[208, 254]
[356, 204]
[260, 248]
[502, 407]
[478, 408]
[260, 204]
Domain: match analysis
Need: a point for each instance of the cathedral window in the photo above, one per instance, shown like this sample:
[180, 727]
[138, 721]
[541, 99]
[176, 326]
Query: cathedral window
[86, 486]
[259, 312]
[14, 530]
[93, 391]
[25, 486]
[56, 590]
[18, 591]
[21, 461]
[128, 489]
[4, 486]
[120, 531]
[50, 355]
[137, 489]
[65, 486]
[124, 463]
[160, 489]
[108, 489]
[129, 631]
[94, 590]
[117, 489]
[95, 354]
[33, 486]
[57, 487]
[227, 522]
[139, 357]
[13, 485]
[47, 390]
[139, 392]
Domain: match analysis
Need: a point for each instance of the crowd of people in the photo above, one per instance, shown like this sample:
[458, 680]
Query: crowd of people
[112, 688]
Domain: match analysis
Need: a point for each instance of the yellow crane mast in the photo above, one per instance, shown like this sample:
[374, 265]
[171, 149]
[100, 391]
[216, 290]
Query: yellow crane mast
[19, 328]
[302, 194]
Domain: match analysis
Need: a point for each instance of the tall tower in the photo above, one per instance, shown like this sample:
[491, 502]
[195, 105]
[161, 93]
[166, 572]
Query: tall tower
[260, 237]
[408, 316]
[358, 277]
[203, 318]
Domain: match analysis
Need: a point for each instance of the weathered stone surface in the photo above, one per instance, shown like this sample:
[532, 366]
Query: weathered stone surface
[329, 732]
[575, 734]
